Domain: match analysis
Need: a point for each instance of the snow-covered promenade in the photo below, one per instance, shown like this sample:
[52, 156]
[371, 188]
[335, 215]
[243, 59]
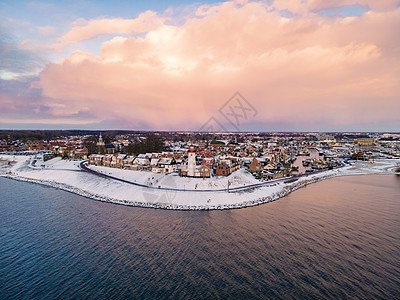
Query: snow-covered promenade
[147, 189]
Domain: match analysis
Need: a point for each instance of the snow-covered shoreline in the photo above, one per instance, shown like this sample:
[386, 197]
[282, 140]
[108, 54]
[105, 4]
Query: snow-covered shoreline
[66, 175]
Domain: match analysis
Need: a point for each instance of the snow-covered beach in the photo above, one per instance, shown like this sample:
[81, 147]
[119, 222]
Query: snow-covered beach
[147, 189]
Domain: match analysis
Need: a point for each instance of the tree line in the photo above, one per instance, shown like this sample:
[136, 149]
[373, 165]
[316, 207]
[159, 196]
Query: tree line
[150, 143]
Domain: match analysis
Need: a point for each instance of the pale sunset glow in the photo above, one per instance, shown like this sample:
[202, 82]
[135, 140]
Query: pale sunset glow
[304, 65]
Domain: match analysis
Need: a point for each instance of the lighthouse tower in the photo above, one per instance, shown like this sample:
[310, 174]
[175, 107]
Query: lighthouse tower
[191, 162]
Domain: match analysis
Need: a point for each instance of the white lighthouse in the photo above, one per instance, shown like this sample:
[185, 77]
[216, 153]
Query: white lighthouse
[191, 162]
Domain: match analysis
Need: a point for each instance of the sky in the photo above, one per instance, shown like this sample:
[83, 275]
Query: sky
[278, 65]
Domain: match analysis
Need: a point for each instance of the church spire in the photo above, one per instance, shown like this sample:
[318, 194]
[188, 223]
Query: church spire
[100, 145]
[100, 139]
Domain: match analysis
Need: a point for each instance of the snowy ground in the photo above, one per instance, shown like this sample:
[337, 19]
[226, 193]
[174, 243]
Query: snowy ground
[67, 175]
[239, 178]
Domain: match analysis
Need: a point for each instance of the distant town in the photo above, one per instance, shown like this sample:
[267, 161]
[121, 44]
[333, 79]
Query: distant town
[266, 156]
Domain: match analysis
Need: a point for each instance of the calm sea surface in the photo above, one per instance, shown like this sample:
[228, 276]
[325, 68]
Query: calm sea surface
[339, 238]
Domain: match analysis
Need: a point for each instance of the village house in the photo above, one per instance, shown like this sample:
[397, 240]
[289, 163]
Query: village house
[36, 145]
[254, 166]
[227, 165]
[276, 174]
[107, 160]
[127, 162]
[116, 160]
[222, 170]
[141, 163]
[205, 171]
[208, 161]
[66, 151]
[153, 163]
[269, 167]
[167, 164]
[96, 159]
[81, 153]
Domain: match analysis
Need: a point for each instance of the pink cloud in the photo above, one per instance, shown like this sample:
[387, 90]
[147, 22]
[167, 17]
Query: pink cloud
[84, 30]
[305, 7]
[308, 69]
[381, 5]
[47, 30]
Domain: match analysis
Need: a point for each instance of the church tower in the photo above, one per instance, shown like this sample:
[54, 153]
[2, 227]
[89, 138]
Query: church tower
[100, 145]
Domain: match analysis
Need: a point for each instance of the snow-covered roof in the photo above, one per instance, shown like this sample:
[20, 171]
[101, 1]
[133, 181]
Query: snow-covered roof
[141, 161]
[154, 161]
[81, 151]
[129, 158]
[165, 161]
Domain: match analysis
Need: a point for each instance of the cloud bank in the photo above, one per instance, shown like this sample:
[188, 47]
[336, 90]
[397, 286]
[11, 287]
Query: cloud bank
[306, 70]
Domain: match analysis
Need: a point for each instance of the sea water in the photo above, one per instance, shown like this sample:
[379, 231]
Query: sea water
[339, 238]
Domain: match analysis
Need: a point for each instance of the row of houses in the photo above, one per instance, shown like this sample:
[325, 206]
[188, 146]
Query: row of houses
[139, 163]
[190, 166]
[70, 151]
[167, 163]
